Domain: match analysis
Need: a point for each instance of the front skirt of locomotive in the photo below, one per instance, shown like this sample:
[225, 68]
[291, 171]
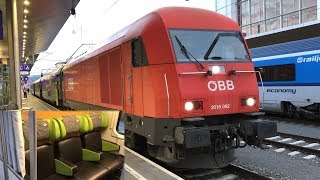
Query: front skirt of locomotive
[194, 143]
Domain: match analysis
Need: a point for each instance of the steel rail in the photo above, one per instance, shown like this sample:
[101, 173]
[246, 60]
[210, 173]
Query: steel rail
[278, 118]
[238, 170]
[231, 169]
[293, 147]
[294, 136]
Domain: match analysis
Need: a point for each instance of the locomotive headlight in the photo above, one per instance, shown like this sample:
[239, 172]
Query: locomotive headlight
[250, 101]
[188, 106]
[217, 69]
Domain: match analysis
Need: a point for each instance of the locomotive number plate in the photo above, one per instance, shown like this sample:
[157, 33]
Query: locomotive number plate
[220, 106]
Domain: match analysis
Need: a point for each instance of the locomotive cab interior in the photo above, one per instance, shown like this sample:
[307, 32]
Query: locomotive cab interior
[77, 145]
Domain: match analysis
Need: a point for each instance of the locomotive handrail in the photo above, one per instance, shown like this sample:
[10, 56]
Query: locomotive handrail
[187, 73]
[235, 71]
[168, 95]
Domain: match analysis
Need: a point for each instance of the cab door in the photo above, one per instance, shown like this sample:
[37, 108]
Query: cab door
[138, 61]
[134, 58]
[126, 66]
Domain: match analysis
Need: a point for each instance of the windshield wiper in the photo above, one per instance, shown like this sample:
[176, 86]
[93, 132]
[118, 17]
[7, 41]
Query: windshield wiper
[185, 53]
[219, 58]
[237, 58]
[216, 58]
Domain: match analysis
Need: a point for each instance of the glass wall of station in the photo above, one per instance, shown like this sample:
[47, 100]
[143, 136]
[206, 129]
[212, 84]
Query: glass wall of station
[4, 59]
[258, 16]
[4, 83]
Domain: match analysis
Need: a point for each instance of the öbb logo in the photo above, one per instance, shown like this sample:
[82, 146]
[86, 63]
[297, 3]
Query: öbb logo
[221, 85]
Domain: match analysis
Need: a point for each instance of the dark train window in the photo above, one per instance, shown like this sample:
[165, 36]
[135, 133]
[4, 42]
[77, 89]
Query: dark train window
[121, 122]
[139, 57]
[285, 72]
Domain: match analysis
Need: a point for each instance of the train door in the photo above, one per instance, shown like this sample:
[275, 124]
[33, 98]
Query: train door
[138, 61]
[127, 77]
[40, 87]
[133, 58]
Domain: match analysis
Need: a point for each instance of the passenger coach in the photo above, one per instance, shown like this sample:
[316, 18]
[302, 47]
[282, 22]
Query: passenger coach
[290, 78]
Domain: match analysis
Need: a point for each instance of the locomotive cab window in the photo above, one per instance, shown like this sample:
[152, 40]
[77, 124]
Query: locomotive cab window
[139, 57]
[208, 45]
[285, 72]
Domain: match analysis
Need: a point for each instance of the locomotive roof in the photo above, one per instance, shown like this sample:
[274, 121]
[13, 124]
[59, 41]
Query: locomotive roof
[169, 17]
[185, 17]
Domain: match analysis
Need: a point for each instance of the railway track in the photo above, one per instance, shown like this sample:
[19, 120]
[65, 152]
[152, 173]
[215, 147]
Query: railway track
[307, 149]
[280, 118]
[230, 172]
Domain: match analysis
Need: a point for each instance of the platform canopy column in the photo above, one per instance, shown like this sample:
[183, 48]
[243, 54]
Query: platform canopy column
[14, 59]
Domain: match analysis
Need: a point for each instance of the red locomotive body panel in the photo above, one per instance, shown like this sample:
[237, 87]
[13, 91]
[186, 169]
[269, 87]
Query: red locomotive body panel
[106, 77]
[224, 101]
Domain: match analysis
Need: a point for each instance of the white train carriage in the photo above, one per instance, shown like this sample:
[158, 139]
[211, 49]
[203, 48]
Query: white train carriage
[291, 83]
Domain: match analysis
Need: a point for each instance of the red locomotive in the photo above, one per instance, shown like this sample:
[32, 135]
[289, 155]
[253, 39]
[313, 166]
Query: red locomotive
[182, 78]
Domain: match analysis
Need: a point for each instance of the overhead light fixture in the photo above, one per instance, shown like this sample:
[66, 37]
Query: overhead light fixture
[26, 11]
[24, 36]
[26, 2]
[25, 26]
[24, 40]
[24, 32]
[25, 21]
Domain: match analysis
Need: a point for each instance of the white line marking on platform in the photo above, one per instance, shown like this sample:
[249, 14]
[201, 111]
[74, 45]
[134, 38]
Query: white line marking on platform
[309, 157]
[311, 145]
[269, 145]
[273, 138]
[280, 150]
[227, 177]
[297, 142]
[285, 140]
[134, 173]
[293, 153]
[154, 164]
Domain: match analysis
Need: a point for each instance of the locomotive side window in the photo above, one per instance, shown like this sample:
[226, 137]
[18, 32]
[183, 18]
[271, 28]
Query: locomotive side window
[285, 72]
[139, 57]
[121, 122]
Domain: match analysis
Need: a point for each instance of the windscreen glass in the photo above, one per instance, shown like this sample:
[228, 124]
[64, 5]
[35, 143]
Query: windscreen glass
[208, 45]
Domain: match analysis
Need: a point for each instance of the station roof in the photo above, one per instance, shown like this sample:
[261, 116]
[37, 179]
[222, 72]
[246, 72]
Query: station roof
[45, 19]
